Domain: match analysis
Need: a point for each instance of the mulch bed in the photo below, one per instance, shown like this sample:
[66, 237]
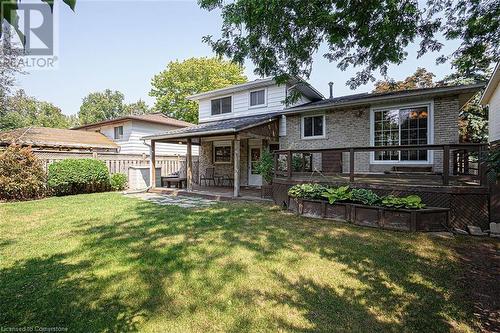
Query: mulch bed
[481, 279]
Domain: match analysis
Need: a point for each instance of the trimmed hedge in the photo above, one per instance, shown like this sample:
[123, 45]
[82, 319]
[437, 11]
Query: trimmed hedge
[74, 176]
[118, 181]
[21, 174]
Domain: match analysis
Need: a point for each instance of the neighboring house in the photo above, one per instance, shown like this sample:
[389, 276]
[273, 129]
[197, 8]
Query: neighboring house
[127, 133]
[491, 97]
[58, 140]
[238, 122]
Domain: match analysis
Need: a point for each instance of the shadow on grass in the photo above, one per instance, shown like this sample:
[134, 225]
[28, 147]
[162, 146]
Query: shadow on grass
[168, 244]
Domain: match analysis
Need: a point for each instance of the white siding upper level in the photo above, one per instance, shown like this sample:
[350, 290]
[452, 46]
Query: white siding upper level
[134, 130]
[240, 104]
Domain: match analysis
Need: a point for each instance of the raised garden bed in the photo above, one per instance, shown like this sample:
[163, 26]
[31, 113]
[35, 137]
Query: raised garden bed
[424, 219]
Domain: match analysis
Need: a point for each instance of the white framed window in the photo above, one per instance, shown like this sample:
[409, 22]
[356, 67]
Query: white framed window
[222, 152]
[313, 127]
[118, 132]
[258, 98]
[221, 105]
[402, 125]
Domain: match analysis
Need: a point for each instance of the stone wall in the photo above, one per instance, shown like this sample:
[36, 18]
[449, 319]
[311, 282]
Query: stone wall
[351, 128]
[206, 161]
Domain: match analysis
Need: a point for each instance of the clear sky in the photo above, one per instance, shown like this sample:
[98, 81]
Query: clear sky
[121, 45]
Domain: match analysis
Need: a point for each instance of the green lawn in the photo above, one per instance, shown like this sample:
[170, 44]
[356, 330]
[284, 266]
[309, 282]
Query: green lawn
[105, 262]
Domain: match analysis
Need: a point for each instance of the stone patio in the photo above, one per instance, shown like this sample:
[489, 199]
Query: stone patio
[179, 200]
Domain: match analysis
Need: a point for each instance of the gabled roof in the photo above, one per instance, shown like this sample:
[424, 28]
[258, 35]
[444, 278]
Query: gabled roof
[56, 138]
[302, 86]
[221, 127]
[372, 98]
[157, 118]
[492, 85]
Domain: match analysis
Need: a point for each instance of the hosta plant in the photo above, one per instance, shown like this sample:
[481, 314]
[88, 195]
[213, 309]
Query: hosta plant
[307, 191]
[410, 202]
[337, 194]
[366, 197]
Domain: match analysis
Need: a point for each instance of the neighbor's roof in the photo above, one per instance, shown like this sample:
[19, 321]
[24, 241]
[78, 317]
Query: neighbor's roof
[492, 85]
[221, 127]
[395, 96]
[56, 137]
[158, 118]
[305, 88]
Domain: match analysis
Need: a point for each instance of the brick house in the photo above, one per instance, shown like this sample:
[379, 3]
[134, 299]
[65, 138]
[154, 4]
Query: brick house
[238, 122]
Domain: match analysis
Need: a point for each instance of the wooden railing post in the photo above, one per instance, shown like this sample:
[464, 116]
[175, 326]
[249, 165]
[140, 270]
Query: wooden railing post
[289, 163]
[351, 165]
[276, 165]
[483, 180]
[446, 165]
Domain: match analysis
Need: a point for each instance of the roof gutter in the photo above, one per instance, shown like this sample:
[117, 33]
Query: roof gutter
[376, 99]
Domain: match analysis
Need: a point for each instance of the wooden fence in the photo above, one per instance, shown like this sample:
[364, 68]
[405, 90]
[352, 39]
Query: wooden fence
[119, 163]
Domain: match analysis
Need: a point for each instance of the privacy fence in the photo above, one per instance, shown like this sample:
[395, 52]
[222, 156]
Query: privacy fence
[120, 163]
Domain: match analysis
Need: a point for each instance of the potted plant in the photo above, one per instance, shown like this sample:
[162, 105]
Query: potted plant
[265, 168]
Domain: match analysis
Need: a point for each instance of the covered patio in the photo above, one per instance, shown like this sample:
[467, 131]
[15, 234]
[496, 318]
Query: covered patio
[229, 150]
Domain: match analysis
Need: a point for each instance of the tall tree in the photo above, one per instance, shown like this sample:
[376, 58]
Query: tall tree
[420, 79]
[137, 108]
[280, 37]
[24, 111]
[191, 76]
[99, 106]
[9, 66]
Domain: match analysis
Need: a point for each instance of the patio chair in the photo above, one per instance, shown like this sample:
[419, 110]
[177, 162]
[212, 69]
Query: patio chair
[208, 176]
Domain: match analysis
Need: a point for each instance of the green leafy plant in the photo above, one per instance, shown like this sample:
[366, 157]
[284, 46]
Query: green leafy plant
[73, 176]
[410, 202]
[118, 181]
[366, 197]
[21, 174]
[337, 194]
[307, 191]
[265, 167]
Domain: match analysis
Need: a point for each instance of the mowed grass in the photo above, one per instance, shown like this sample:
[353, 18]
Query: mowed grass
[109, 263]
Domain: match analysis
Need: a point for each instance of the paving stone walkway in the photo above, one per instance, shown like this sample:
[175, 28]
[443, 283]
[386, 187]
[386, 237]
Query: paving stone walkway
[181, 201]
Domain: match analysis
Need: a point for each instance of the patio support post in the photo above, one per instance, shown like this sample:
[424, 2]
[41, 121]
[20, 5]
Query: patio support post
[236, 167]
[189, 166]
[152, 164]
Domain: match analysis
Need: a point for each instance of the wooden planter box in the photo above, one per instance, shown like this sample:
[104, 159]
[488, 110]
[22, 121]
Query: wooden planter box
[426, 219]
[266, 191]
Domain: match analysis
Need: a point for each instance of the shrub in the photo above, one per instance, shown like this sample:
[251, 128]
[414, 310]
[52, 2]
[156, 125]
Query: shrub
[366, 197]
[307, 191]
[410, 202]
[337, 194]
[265, 167]
[21, 174]
[73, 176]
[118, 181]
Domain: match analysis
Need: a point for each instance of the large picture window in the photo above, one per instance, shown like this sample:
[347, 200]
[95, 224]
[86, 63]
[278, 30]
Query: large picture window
[222, 152]
[313, 126]
[405, 126]
[221, 105]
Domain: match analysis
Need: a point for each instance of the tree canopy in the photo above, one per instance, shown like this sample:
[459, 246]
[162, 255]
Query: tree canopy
[188, 77]
[420, 79]
[24, 111]
[281, 37]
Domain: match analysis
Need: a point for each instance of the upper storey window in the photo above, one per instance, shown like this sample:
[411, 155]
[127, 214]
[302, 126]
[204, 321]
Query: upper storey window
[221, 105]
[257, 98]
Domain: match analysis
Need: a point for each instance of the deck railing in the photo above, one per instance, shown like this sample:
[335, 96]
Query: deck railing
[460, 160]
